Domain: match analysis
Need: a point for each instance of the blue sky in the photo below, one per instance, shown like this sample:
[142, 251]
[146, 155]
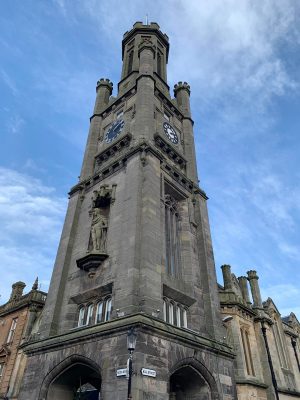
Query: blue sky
[242, 61]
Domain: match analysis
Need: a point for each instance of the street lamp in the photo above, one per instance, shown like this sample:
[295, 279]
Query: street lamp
[131, 342]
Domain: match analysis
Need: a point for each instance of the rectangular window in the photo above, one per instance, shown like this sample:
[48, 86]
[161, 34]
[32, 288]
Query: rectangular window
[171, 313]
[12, 330]
[89, 314]
[120, 114]
[178, 316]
[99, 313]
[1, 369]
[81, 316]
[184, 318]
[107, 310]
[166, 116]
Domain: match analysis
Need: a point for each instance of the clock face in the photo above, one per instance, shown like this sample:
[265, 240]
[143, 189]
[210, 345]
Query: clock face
[114, 131]
[170, 133]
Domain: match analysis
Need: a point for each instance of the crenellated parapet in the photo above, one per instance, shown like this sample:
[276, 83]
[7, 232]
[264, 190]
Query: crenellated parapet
[104, 90]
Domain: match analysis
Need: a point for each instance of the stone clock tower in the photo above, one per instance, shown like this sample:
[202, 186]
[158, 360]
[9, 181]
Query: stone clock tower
[135, 253]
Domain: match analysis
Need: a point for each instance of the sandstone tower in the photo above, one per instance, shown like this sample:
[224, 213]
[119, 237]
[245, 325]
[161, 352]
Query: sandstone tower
[135, 253]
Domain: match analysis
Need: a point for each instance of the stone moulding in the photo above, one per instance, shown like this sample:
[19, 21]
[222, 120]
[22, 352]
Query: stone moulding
[114, 149]
[143, 322]
[91, 261]
[169, 151]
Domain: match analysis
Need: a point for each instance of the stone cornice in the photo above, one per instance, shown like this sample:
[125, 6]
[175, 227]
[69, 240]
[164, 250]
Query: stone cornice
[289, 392]
[33, 297]
[142, 322]
[251, 382]
[117, 163]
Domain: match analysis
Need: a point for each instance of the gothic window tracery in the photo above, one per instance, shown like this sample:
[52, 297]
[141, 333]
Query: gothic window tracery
[172, 240]
[174, 313]
[95, 313]
[247, 351]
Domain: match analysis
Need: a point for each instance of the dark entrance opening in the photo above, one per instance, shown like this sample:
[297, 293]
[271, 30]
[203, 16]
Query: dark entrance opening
[77, 382]
[187, 384]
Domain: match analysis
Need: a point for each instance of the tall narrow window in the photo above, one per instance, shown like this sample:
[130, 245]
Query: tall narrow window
[81, 316]
[172, 236]
[178, 316]
[165, 310]
[89, 316]
[1, 369]
[130, 62]
[12, 330]
[279, 346]
[159, 66]
[171, 313]
[247, 352]
[99, 312]
[107, 309]
[184, 318]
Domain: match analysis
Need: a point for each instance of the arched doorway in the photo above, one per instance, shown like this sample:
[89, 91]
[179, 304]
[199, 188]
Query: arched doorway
[186, 383]
[78, 381]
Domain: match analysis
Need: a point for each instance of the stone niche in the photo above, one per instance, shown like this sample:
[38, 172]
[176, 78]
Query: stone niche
[96, 253]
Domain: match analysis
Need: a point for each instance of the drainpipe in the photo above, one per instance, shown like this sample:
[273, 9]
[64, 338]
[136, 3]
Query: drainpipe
[293, 340]
[264, 332]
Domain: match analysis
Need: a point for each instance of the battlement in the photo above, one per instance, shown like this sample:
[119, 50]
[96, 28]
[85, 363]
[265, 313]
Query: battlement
[182, 86]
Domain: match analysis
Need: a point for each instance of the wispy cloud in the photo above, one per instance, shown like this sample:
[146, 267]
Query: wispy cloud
[15, 124]
[30, 216]
[9, 82]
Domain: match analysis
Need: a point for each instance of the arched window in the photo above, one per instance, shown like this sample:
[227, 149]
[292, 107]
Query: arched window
[172, 240]
[81, 315]
[171, 313]
[99, 312]
[89, 317]
[107, 309]
[247, 351]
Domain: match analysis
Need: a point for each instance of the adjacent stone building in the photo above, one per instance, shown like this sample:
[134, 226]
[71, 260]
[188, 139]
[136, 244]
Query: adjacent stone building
[267, 347]
[19, 319]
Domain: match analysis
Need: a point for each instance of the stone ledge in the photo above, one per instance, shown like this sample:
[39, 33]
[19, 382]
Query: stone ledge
[143, 322]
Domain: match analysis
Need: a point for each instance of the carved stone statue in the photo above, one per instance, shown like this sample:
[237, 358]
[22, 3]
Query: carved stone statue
[99, 231]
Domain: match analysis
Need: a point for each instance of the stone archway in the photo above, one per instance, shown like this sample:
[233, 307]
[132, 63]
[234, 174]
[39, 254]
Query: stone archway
[190, 380]
[75, 378]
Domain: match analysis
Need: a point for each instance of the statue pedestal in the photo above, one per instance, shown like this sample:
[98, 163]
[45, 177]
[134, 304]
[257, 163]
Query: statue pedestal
[91, 261]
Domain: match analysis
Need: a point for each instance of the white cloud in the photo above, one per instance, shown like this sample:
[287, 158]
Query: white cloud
[31, 216]
[15, 124]
[9, 82]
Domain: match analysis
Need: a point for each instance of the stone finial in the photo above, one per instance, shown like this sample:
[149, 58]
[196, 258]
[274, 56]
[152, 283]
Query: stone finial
[227, 277]
[17, 291]
[255, 291]
[35, 286]
[243, 283]
[182, 86]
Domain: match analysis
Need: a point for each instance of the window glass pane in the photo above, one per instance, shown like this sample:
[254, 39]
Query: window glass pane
[178, 316]
[107, 310]
[1, 369]
[89, 314]
[184, 319]
[99, 312]
[171, 313]
[165, 310]
[81, 316]
[12, 330]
